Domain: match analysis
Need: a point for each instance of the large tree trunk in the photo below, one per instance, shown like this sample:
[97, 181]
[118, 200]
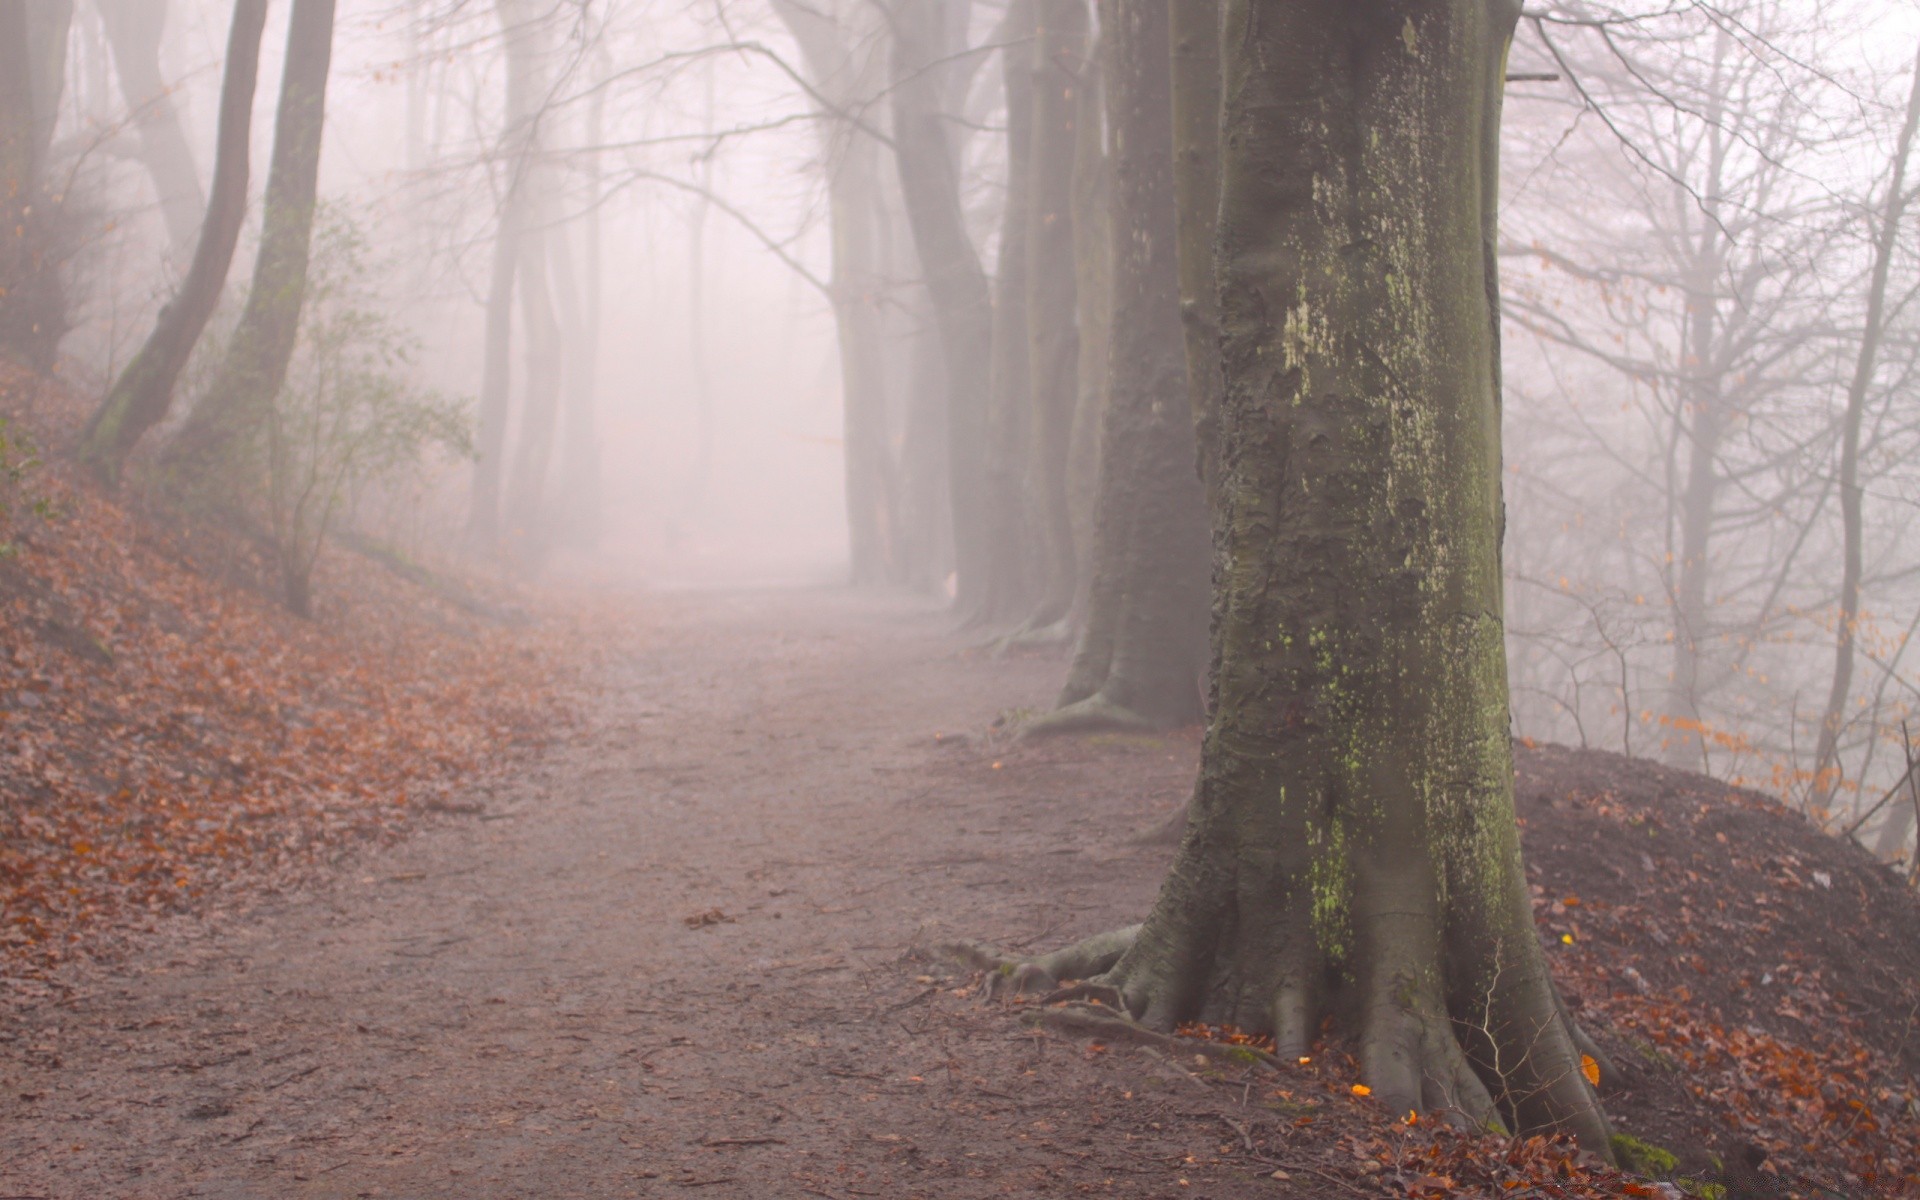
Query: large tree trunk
[1826, 755]
[255, 368]
[1058, 65]
[141, 396]
[962, 309]
[134, 29]
[1143, 650]
[1010, 591]
[1353, 850]
[1196, 186]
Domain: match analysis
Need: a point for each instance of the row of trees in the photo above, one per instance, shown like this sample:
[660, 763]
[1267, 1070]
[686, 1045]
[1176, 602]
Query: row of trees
[1707, 298]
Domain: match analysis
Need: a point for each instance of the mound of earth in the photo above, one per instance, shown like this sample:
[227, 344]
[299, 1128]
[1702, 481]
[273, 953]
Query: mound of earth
[1756, 978]
[170, 736]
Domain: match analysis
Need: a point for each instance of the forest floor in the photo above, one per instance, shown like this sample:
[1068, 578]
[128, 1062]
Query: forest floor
[676, 952]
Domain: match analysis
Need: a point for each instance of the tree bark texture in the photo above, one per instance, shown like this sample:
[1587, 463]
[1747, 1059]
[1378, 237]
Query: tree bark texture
[1058, 66]
[254, 370]
[1010, 589]
[1352, 849]
[140, 398]
[134, 30]
[956, 283]
[1143, 649]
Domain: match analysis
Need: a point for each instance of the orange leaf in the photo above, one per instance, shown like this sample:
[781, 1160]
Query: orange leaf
[1590, 1069]
[1361, 1089]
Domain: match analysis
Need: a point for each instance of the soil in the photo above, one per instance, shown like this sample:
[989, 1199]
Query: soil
[681, 953]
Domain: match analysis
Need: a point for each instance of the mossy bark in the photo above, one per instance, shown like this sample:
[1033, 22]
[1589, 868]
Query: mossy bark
[255, 367]
[1352, 850]
[1143, 648]
[141, 396]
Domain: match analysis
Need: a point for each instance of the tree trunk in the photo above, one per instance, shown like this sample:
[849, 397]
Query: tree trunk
[141, 396]
[33, 305]
[255, 368]
[519, 147]
[844, 67]
[1826, 755]
[962, 309]
[1142, 653]
[581, 305]
[527, 531]
[1010, 590]
[1353, 850]
[134, 29]
[1058, 65]
[1196, 186]
[19, 173]
[1093, 304]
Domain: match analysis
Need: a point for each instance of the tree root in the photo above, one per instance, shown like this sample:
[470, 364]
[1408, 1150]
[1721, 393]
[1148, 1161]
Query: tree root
[1165, 832]
[1099, 1021]
[1029, 636]
[1012, 976]
[1095, 714]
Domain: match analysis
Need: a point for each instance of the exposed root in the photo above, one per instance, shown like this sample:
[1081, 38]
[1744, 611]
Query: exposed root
[1101, 1022]
[1164, 832]
[1011, 976]
[1095, 714]
[1030, 636]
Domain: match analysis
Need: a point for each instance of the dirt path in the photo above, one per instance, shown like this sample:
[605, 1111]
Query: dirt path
[514, 1004]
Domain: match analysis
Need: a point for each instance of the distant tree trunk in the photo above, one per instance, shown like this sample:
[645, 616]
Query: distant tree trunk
[519, 148]
[1059, 67]
[1826, 755]
[134, 29]
[1010, 591]
[1196, 185]
[1702, 424]
[255, 368]
[33, 307]
[845, 67]
[48, 25]
[527, 534]
[1143, 651]
[926, 495]
[1093, 306]
[580, 292]
[695, 497]
[141, 396]
[19, 174]
[962, 308]
[1353, 851]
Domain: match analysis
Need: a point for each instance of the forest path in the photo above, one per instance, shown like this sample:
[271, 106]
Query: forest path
[515, 1004]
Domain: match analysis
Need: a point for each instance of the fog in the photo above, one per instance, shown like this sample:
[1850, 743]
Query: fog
[1654, 158]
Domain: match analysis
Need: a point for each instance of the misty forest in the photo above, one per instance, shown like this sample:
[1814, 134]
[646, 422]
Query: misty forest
[959, 598]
